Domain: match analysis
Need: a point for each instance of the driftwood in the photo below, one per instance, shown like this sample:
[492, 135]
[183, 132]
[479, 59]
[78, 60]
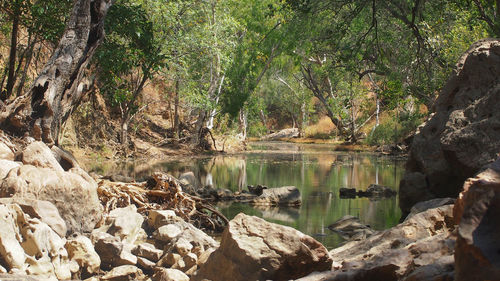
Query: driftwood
[163, 192]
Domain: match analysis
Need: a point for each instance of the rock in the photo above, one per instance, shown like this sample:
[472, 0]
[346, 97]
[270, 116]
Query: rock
[187, 232]
[350, 228]
[64, 158]
[124, 223]
[81, 250]
[145, 264]
[188, 178]
[169, 274]
[429, 204]
[40, 209]
[167, 232]
[39, 155]
[6, 166]
[477, 213]
[125, 273]
[30, 246]
[6, 152]
[256, 190]
[21, 277]
[203, 258]
[424, 240]
[108, 247]
[191, 271]
[158, 218]
[253, 249]
[74, 193]
[190, 260]
[169, 260]
[345, 192]
[126, 257]
[10, 248]
[462, 135]
[377, 191]
[283, 134]
[148, 251]
[183, 246]
[286, 195]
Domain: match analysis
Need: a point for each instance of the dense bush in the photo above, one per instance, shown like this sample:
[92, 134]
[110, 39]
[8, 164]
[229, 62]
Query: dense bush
[395, 129]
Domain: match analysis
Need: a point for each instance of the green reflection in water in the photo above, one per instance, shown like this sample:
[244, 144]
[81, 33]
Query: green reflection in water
[315, 169]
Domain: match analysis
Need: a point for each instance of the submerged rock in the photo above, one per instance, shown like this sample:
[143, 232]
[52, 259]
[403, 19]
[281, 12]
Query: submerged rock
[286, 195]
[253, 249]
[477, 212]
[377, 191]
[462, 135]
[347, 192]
[350, 228]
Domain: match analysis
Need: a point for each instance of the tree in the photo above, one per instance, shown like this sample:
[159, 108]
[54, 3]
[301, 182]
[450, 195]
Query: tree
[57, 91]
[43, 21]
[129, 57]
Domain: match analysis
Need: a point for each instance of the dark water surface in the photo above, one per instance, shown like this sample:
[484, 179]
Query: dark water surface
[316, 170]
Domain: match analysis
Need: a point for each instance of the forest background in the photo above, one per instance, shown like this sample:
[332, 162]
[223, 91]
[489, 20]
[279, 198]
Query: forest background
[179, 74]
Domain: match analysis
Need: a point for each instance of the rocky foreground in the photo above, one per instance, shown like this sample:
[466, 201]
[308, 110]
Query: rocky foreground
[57, 226]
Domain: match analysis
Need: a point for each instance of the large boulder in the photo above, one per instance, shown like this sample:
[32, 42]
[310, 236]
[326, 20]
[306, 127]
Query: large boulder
[253, 249]
[6, 147]
[423, 244]
[6, 166]
[286, 195]
[39, 154]
[30, 246]
[42, 210]
[73, 192]
[477, 212]
[462, 135]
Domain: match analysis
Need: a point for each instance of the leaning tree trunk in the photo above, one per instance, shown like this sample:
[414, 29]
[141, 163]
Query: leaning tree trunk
[57, 91]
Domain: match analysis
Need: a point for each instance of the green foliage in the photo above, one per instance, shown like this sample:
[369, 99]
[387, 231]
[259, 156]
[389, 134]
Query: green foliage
[395, 129]
[129, 56]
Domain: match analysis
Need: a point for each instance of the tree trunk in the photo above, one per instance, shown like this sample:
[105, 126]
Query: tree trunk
[12, 56]
[176, 111]
[57, 91]
[243, 123]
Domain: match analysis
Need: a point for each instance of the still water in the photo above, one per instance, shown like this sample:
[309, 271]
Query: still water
[316, 170]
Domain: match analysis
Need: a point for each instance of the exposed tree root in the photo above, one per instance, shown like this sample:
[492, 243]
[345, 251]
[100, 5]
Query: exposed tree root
[162, 192]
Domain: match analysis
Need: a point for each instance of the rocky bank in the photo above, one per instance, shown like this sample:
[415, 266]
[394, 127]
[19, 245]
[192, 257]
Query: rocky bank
[462, 134]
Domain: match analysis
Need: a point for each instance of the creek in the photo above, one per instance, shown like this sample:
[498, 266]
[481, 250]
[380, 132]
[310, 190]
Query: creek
[315, 169]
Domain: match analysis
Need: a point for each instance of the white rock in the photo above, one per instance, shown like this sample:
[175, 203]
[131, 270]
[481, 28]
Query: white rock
[167, 232]
[145, 264]
[39, 155]
[124, 272]
[74, 195]
[10, 248]
[6, 166]
[126, 257]
[125, 223]
[158, 218]
[6, 148]
[43, 210]
[190, 260]
[81, 250]
[169, 274]
[183, 246]
[148, 251]
[169, 260]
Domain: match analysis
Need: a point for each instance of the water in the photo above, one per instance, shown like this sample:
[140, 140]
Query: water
[316, 170]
